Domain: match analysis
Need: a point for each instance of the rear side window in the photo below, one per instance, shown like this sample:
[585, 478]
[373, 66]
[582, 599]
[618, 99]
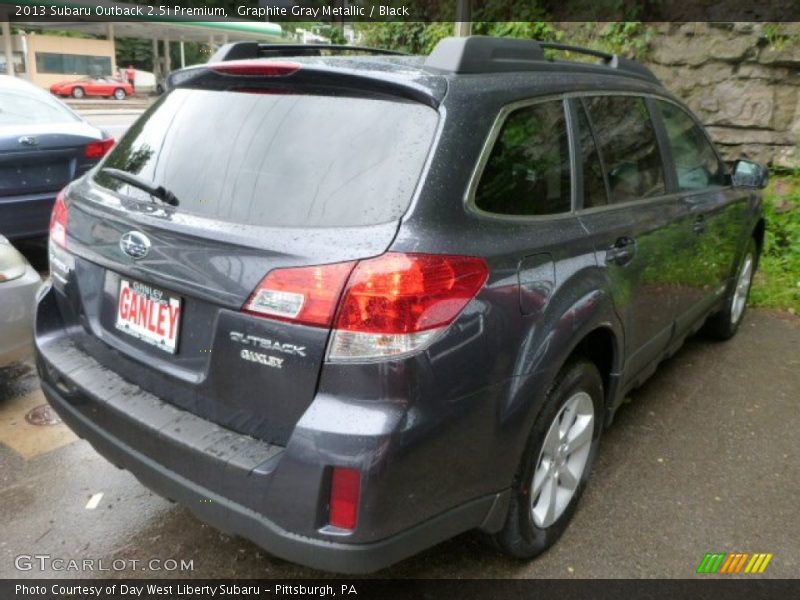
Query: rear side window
[696, 162]
[293, 160]
[528, 171]
[628, 146]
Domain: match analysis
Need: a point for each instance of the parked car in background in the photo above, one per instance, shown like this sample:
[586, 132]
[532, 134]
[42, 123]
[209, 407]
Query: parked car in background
[358, 348]
[18, 284]
[43, 146]
[101, 86]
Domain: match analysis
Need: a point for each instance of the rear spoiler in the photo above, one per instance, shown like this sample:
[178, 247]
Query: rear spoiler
[274, 76]
[250, 50]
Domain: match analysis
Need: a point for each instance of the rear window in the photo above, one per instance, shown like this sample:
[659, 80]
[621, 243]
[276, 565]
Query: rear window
[279, 159]
[528, 171]
[31, 107]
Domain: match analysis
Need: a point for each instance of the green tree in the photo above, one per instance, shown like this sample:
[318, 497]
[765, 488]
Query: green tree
[139, 53]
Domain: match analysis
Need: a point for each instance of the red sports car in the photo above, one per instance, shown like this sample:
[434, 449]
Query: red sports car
[101, 86]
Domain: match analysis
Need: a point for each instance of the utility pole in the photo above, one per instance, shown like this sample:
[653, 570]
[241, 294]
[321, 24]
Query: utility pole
[7, 48]
[463, 24]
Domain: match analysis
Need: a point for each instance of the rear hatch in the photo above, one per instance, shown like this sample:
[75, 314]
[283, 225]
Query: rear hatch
[264, 181]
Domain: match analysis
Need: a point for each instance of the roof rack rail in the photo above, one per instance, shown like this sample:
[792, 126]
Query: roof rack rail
[485, 54]
[249, 50]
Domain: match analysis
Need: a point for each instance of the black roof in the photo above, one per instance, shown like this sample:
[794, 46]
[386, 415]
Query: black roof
[483, 54]
[457, 56]
[499, 67]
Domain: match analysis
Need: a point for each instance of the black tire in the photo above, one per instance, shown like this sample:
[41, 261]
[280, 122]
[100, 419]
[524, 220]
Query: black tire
[120, 94]
[724, 324]
[520, 537]
[78, 92]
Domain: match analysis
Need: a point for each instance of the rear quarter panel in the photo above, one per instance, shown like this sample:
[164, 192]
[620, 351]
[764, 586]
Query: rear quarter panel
[510, 360]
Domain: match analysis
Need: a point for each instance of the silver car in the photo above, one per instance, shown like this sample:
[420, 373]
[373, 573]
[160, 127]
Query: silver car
[18, 284]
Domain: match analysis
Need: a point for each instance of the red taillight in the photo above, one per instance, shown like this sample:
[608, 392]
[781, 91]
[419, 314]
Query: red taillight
[307, 295]
[99, 149]
[345, 493]
[256, 68]
[391, 305]
[58, 221]
[408, 293]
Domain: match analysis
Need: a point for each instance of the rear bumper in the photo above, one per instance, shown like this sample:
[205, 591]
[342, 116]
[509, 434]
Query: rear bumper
[16, 316]
[229, 516]
[26, 216]
[232, 481]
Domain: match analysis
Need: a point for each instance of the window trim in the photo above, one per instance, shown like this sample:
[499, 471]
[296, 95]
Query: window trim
[486, 151]
[576, 105]
[488, 146]
[666, 158]
[669, 194]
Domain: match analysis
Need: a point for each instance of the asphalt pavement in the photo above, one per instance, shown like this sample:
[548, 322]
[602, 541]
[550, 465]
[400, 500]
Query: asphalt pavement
[703, 458]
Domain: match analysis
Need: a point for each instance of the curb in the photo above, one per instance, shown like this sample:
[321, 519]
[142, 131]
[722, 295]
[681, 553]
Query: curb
[102, 111]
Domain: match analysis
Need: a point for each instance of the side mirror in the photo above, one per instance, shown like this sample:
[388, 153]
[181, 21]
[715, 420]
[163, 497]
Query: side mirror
[748, 173]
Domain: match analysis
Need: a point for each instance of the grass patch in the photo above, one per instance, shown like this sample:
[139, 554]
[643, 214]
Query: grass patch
[777, 282]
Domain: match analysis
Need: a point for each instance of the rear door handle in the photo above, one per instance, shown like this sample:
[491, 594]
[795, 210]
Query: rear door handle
[622, 252]
[699, 224]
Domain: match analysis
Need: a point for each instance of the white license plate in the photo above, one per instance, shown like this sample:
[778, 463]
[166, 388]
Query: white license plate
[149, 314]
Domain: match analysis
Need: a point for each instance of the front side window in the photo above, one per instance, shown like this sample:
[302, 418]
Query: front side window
[696, 163]
[628, 145]
[528, 171]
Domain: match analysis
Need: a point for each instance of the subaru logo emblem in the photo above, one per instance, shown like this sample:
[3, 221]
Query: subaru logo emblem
[28, 140]
[135, 244]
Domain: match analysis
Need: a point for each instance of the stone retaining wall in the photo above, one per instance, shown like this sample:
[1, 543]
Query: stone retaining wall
[741, 79]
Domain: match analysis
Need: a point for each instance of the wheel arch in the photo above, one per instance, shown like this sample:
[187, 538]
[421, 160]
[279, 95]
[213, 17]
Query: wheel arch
[588, 326]
[601, 347]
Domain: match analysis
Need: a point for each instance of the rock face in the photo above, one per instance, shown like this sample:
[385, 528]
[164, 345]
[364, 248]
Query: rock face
[742, 80]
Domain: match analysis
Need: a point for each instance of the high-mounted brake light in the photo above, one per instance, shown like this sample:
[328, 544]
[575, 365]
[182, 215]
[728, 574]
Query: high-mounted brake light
[345, 493]
[256, 68]
[58, 221]
[391, 305]
[99, 149]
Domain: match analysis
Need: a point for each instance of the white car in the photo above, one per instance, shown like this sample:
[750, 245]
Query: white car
[18, 284]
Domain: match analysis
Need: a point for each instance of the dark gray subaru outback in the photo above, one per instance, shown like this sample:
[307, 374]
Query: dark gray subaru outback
[349, 307]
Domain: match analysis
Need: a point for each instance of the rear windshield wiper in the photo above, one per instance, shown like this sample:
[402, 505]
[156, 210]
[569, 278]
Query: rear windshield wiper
[157, 191]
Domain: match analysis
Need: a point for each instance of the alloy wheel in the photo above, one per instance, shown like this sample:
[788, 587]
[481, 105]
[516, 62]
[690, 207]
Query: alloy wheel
[562, 460]
[742, 287]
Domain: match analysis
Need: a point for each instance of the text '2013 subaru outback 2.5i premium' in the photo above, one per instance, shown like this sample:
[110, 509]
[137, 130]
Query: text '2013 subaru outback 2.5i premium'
[363, 304]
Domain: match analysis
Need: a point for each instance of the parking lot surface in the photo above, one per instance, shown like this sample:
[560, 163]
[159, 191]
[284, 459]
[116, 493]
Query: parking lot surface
[115, 122]
[703, 458]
